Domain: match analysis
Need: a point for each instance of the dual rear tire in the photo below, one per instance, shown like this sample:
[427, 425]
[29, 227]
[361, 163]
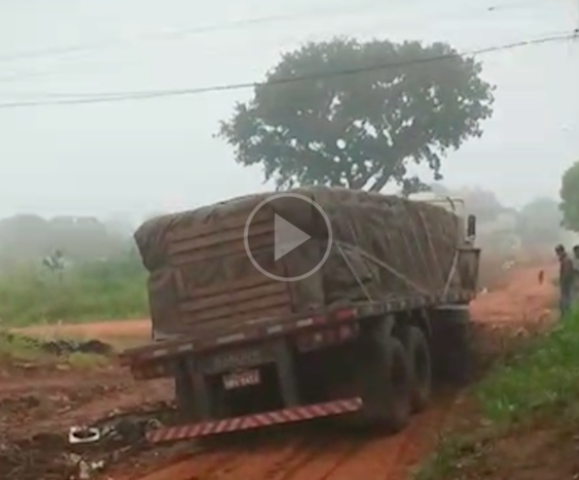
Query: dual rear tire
[396, 380]
[398, 370]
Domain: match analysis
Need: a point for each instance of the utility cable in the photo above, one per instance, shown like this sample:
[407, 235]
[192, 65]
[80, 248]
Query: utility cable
[93, 98]
[225, 26]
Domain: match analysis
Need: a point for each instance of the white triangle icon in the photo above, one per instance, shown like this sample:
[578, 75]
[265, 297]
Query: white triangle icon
[286, 237]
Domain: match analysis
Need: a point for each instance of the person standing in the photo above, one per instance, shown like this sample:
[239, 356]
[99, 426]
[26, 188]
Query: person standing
[575, 258]
[575, 261]
[566, 280]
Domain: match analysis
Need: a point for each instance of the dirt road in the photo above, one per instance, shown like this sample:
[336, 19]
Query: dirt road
[102, 330]
[522, 299]
[304, 452]
[307, 454]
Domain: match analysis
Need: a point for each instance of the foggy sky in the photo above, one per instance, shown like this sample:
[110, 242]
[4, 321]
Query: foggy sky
[145, 156]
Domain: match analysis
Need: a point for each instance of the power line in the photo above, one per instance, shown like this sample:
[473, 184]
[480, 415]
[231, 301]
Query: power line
[185, 32]
[91, 98]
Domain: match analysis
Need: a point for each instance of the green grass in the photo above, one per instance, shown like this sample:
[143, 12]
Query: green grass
[540, 382]
[86, 361]
[19, 349]
[97, 290]
[543, 377]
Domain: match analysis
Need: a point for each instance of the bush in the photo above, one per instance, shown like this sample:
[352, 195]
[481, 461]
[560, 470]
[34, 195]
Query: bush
[94, 290]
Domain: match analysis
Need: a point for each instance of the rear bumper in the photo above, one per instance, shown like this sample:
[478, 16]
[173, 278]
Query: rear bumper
[258, 420]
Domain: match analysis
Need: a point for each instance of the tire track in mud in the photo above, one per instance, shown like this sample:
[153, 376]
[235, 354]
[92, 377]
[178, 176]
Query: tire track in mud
[326, 458]
[266, 461]
[389, 457]
[235, 461]
[312, 455]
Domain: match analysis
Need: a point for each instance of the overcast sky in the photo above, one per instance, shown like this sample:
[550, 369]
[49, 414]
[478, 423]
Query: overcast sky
[145, 156]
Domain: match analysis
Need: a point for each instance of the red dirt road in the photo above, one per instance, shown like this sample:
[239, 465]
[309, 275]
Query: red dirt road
[522, 299]
[313, 457]
[101, 330]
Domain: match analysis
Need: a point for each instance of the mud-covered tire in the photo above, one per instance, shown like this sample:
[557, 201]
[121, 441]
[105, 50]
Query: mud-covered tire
[452, 347]
[420, 366]
[386, 386]
[460, 362]
[182, 391]
[184, 396]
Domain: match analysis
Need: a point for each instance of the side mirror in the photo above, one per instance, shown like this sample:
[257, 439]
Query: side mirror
[471, 226]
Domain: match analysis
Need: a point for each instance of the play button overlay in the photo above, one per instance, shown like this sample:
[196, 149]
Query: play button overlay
[287, 237]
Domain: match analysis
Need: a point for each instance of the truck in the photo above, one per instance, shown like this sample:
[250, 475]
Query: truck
[358, 340]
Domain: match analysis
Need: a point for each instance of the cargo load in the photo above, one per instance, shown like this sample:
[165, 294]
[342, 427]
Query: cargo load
[383, 246]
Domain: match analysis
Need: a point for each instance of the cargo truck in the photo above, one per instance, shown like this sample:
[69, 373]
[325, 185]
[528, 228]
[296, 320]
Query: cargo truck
[359, 339]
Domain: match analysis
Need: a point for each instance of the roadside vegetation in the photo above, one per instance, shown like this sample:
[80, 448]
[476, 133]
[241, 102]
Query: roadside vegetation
[94, 290]
[18, 351]
[527, 411]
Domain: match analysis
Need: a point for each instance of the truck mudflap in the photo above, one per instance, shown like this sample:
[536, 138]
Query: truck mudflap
[254, 421]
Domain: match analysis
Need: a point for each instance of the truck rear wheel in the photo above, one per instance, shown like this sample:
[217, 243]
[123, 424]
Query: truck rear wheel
[420, 366]
[184, 395]
[386, 386]
[453, 355]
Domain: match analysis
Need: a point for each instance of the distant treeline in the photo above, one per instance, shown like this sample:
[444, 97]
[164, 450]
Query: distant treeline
[535, 225]
[31, 238]
[26, 239]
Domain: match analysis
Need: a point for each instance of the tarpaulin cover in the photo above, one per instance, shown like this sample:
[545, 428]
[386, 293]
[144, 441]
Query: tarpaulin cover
[383, 246]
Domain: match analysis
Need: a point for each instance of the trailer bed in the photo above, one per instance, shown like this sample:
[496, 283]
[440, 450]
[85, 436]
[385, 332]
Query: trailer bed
[152, 360]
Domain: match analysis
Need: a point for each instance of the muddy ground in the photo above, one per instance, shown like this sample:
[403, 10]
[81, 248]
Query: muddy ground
[38, 405]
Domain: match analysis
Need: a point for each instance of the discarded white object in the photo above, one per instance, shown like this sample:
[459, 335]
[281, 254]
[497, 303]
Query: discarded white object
[83, 435]
[154, 424]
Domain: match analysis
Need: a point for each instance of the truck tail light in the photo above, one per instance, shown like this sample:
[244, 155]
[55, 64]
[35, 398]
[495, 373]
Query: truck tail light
[327, 337]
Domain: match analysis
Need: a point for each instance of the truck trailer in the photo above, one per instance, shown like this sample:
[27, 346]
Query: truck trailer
[359, 339]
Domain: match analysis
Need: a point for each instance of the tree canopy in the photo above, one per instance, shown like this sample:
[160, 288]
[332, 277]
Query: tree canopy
[353, 114]
[570, 198]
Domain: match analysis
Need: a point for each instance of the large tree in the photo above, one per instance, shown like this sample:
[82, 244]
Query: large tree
[354, 114]
[570, 198]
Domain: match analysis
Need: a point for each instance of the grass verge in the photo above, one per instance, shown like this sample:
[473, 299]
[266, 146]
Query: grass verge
[537, 388]
[16, 350]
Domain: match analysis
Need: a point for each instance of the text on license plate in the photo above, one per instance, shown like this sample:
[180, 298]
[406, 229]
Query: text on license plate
[246, 378]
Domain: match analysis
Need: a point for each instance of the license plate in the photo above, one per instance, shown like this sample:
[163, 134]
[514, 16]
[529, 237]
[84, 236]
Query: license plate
[246, 378]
